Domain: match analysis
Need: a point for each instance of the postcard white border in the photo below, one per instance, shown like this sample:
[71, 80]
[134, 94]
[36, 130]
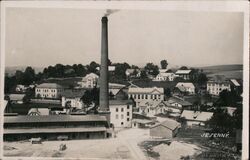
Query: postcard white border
[210, 6]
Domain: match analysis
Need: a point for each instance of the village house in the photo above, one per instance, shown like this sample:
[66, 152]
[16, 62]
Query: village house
[146, 94]
[179, 103]
[72, 99]
[121, 113]
[167, 129]
[152, 108]
[89, 81]
[110, 68]
[217, 84]
[164, 77]
[133, 73]
[195, 118]
[185, 74]
[49, 90]
[16, 98]
[183, 88]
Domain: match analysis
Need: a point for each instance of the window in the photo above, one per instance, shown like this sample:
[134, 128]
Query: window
[127, 119]
[116, 116]
[146, 96]
[122, 116]
[122, 109]
[139, 96]
[127, 113]
[117, 110]
[127, 106]
[122, 123]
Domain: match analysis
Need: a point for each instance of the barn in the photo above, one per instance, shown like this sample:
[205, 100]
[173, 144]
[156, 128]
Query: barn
[166, 129]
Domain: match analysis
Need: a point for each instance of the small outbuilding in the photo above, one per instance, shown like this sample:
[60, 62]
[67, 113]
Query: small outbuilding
[167, 129]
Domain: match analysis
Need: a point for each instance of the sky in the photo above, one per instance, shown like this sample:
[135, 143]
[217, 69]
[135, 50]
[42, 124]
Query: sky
[41, 37]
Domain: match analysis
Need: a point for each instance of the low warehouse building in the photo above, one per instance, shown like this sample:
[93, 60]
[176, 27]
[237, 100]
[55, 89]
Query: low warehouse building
[167, 129]
[50, 127]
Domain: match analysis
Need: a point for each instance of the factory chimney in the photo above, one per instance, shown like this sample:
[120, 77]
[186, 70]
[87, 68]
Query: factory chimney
[104, 94]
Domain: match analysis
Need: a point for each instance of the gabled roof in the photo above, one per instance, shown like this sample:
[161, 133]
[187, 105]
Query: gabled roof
[168, 123]
[163, 70]
[179, 101]
[16, 97]
[183, 71]
[146, 90]
[73, 94]
[196, 115]
[165, 74]
[50, 86]
[153, 104]
[39, 111]
[116, 86]
[131, 70]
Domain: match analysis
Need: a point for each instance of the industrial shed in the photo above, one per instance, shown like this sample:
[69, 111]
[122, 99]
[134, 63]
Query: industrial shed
[167, 129]
[50, 127]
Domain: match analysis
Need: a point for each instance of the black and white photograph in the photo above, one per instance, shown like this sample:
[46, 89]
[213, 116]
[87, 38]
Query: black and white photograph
[124, 80]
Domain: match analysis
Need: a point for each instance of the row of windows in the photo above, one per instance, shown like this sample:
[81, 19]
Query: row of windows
[122, 109]
[145, 96]
[48, 90]
[122, 117]
[216, 84]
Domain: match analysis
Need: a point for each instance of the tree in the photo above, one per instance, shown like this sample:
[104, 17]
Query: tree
[143, 75]
[91, 96]
[120, 69]
[183, 68]
[92, 67]
[152, 69]
[169, 71]
[167, 92]
[164, 64]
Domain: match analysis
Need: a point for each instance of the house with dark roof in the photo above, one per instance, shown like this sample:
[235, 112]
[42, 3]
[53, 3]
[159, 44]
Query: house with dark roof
[179, 102]
[166, 129]
[72, 98]
[49, 90]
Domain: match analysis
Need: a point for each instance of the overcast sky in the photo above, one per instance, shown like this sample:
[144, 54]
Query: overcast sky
[42, 37]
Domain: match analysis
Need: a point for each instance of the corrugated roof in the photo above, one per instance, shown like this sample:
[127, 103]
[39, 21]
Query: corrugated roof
[182, 71]
[169, 123]
[16, 97]
[54, 130]
[50, 86]
[146, 90]
[196, 116]
[120, 102]
[53, 118]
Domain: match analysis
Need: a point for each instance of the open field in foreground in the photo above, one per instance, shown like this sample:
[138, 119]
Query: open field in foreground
[124, 146]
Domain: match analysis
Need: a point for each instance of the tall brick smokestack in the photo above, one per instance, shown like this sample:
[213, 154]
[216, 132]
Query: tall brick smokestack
[104, 94]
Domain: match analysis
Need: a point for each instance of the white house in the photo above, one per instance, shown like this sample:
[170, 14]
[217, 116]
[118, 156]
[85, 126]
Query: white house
[146, 94]
[185, 74]
[110, 68]
[164, 77]
[72, 99]
[89, 81]
[49, 90]
[179, 103]
[217, 84]
[121, 113]
[133, 72]
[186, 86]
[196, 117]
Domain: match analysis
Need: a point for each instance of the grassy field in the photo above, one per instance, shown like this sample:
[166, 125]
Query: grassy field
[229, 71]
